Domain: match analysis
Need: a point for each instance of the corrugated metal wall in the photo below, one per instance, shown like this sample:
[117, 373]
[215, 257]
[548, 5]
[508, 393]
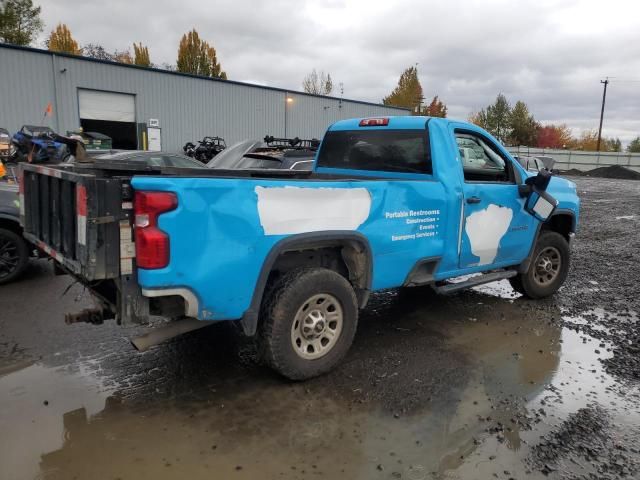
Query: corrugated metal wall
[188, 108]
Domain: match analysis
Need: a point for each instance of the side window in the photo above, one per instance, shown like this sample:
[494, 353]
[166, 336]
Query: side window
[481, 161]
[404, 151]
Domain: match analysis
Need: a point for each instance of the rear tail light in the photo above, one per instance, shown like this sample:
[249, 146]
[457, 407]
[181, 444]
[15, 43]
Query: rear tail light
[81, 214]
[374, 122]
[152, 244]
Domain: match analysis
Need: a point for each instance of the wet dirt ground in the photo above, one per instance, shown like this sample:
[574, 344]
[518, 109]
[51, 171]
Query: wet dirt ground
[484, 384]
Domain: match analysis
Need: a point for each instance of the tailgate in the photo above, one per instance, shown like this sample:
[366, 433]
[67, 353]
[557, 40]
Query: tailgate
[78, 218]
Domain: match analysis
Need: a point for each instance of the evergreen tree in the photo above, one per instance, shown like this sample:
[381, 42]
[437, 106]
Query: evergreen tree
[20, 21]
[634, 146]
[523, 127]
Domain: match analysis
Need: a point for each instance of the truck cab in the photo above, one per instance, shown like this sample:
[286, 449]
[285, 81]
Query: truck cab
[391, 202]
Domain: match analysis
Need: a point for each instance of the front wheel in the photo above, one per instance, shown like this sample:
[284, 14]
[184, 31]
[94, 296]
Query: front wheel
[548, 268]
[309, 322]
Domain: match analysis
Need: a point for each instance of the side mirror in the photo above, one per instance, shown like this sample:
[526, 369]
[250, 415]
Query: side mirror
[540, 204]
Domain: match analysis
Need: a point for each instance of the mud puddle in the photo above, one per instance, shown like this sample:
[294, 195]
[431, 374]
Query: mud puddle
[518, 379]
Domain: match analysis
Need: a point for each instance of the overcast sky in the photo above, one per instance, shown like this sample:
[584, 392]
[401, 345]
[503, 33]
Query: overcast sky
[551, 54]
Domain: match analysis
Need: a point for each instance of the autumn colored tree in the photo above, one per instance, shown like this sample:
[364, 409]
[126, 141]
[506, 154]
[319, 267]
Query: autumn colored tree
[198, 57]
[20, 21]
[317, 83]
[634, 145]
[554, 136]
[436, 108]
[408, 92]
[480, 119]
[523, 127]
[141, 55]
[60, 40]
[587, 141]
[122, 57]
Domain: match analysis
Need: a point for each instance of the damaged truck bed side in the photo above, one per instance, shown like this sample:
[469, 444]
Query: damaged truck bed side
[391, 202]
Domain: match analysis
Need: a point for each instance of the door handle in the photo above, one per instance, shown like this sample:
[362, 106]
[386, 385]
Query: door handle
[473, 200]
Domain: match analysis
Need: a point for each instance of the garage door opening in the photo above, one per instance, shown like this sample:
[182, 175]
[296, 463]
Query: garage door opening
[112, 114]
[123, 134]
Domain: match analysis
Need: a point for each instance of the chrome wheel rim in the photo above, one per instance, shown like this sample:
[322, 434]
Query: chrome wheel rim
[547, 266]
[317, 326]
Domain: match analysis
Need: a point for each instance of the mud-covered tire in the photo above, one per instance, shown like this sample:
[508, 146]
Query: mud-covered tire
[14, 255]
[285, 307]
[553, 249]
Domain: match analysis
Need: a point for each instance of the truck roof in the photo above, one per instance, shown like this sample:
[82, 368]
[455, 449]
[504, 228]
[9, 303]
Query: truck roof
[395, 122]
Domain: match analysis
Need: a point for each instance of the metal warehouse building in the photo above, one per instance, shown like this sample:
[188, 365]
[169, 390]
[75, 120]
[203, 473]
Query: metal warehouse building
[139, 106]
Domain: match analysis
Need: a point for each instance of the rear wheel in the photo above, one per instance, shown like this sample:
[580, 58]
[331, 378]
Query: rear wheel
[548, 269]
[14, 255]
[309, 322]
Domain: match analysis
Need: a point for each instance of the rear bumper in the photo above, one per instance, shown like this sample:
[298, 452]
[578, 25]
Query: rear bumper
[191, 304]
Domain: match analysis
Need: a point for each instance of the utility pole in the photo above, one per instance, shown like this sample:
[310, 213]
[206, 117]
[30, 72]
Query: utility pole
[604, 97]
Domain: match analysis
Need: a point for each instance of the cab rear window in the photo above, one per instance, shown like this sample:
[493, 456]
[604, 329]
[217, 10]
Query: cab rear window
[403, 151]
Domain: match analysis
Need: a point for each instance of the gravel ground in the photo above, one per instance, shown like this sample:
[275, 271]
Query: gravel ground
[484, 384]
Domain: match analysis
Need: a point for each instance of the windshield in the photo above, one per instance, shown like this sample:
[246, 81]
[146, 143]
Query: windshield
[232, 155]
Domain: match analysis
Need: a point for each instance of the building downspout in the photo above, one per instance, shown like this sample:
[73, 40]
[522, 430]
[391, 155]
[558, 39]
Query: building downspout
[55, 71]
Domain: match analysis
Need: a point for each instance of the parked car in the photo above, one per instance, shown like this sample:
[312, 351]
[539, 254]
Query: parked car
[536, 163]
[293, 256]
[14, 248]
[151, 159]
[270, 153]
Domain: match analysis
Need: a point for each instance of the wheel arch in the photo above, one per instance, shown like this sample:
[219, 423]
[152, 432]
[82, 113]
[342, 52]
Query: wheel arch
[9, 222]
[563, 221]
[355, 256]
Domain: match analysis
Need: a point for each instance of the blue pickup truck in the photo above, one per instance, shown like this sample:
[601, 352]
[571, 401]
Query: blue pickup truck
[391, 202]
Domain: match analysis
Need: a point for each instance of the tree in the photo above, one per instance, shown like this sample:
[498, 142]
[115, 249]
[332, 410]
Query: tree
[495, 118]
[408, 92]
[588, 141]
[634, 146]
[141, 55]
[436, 108]
[554, 136]
[93, 50]
[611, 145]
[523, 127]
[480, 119]
[122, 57]
[198, 57]
[60, 40]
[20, 21]
[318, 83]
[499, 118]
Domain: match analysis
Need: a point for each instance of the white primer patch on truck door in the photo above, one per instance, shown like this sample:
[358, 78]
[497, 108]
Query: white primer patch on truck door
[485, 228]
[290, 210]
